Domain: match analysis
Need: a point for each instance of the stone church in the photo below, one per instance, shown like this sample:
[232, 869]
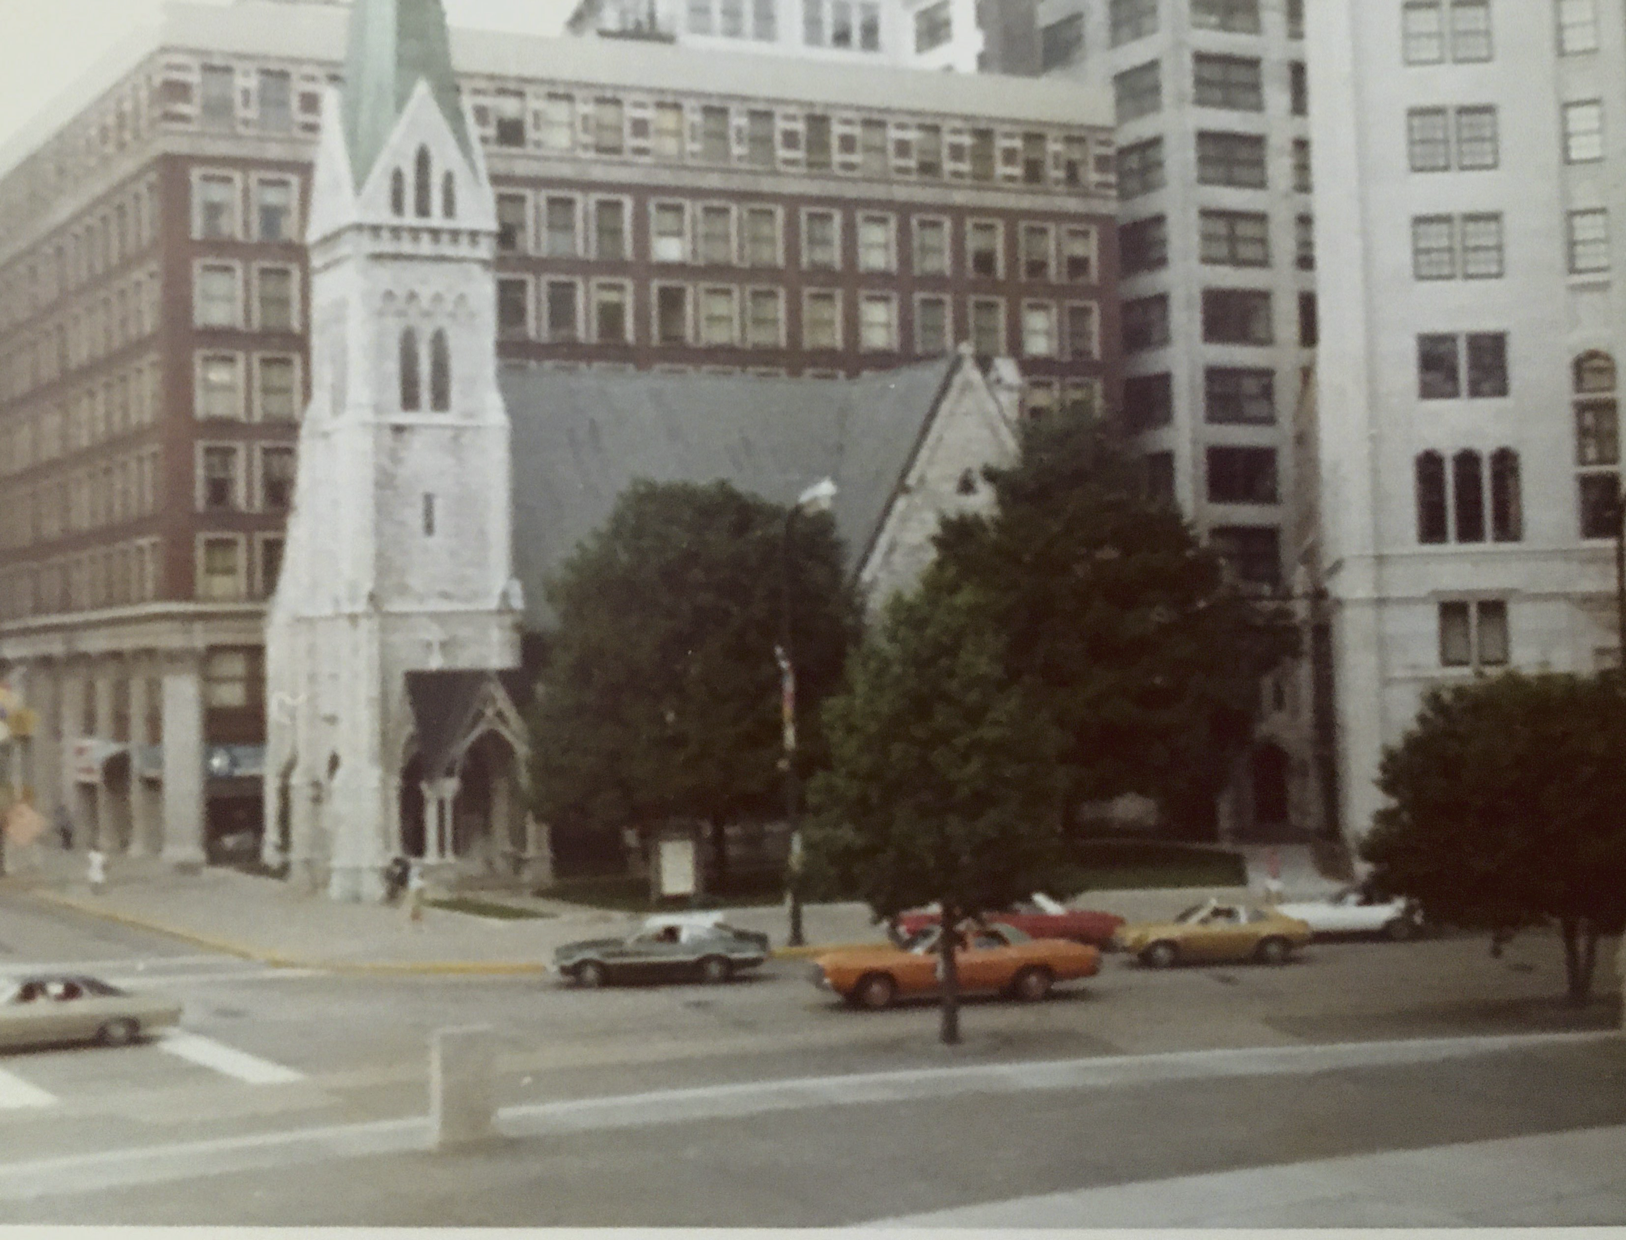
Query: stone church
[437, 490]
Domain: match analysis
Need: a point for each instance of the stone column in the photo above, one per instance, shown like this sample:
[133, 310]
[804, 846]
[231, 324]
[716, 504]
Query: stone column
[46, 767]
[71, 705]
[183, 763]
[145, 820]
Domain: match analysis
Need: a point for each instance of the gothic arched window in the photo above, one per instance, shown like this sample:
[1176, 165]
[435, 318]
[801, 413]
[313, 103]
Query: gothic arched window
[421, 185]
[1507, 509]
[440, 372]
[398, 192]
[1431, 509]
[1594, 372]
[448, 196]
[1468, 487]
[411, 392]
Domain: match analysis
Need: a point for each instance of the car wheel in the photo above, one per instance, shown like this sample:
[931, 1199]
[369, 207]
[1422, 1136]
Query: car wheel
[1400, 929]
[1274, 951]
[1160, 955]
[118, 1033]
[875, 991]
[590, 974]
[1032, 985]
[714, 969]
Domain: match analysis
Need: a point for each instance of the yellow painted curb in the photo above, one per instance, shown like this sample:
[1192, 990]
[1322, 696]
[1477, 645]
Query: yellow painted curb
[278, 961]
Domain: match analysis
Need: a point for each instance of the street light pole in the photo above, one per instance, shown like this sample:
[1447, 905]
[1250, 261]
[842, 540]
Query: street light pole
[817, 498]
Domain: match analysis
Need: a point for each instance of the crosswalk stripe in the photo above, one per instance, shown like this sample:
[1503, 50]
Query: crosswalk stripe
[134, 981]
[227, 1059]
[97, 966]
[16, 1093]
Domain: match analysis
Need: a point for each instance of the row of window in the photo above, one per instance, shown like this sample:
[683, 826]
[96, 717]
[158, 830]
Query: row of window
[82, 337]
[238, 477]
[1233, 160]
[1226, 239]
[1444, 359]
[105, 495]
[1232, 396]
[1469, 247]
[1451, 502]
[260, 387]
[720, 234]
[1138, 19]
[270, 214]
[118, 576]
[1229, 316]
[224, 97]
[1235, 83]
[766, 137]
[601, 312]
[273, 304]
[122, 403]
[1597, 443]
[118, 228]
[1435, 31]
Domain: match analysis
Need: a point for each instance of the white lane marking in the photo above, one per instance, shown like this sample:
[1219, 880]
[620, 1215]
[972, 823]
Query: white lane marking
[135, 981]
[226, 1059]
[16, 1093]
[73, 1174]
[141, 963]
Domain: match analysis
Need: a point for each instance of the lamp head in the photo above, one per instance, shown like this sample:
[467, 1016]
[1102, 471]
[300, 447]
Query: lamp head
[818, 497]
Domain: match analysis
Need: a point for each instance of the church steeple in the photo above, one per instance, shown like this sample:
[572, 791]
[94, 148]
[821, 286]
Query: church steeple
[394, 44]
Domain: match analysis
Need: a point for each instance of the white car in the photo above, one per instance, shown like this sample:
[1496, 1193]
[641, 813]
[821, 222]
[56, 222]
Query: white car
[1352, 911]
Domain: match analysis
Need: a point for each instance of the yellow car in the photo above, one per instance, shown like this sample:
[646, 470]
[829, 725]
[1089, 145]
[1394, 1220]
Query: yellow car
[1215, 930]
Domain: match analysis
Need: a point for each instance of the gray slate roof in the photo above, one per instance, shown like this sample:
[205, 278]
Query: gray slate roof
[580, 438]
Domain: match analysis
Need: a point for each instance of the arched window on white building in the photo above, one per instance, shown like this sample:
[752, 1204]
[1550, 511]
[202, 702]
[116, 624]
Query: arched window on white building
[411, 389]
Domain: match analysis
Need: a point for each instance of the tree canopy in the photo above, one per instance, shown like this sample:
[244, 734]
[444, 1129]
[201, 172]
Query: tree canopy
[1506, 810]
[1122, 625]
[659, 698]
[942, 783]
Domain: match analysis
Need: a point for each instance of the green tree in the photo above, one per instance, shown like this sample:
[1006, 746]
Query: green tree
[1507, 798]
[942, 784]
[1123, 624]
[659, 698]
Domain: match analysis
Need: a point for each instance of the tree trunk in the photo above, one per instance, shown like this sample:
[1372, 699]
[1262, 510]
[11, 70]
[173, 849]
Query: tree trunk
[717, 880]
[950, 990]
[1580, 956]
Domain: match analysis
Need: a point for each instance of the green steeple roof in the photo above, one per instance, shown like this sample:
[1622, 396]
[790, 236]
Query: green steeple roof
[393, 43]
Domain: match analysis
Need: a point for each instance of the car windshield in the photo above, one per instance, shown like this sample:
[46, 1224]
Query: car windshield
[1193, 913]
[1046, 905]
[921, 941]
[1011, 934]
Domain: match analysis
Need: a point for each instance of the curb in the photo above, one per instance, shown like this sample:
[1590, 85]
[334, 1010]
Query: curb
[279, 961]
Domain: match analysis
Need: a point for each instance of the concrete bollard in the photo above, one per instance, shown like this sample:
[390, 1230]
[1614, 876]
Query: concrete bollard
[462, 1101]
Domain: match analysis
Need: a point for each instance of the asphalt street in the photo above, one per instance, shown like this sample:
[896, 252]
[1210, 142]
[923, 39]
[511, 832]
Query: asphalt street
[268, 1052]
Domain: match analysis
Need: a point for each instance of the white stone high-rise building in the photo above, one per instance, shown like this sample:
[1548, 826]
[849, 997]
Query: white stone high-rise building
[1468, 157]
[1215, 246]
[398, 556]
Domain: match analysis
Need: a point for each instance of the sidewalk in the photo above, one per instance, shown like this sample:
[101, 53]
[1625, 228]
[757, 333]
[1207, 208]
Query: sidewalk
[280, 923]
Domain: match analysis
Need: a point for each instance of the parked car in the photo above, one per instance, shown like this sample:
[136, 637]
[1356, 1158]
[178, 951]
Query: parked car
[1354, 910]
[702, 917]
[45, 1008]
[1039, 917]
[1216, 930]
[998, 959]
[665, 954]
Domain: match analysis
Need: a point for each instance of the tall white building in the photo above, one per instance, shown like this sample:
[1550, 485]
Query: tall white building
[923, 34]
[1215, 245]
[1468, 154]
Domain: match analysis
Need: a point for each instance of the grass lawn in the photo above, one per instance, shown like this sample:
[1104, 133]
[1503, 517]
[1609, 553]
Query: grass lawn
[485, 908]
[630, 893]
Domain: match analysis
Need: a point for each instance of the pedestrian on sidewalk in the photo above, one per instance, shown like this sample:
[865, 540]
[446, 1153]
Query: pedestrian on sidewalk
[1273, 877]
[98, 870]
[64, 826]
[415, 892]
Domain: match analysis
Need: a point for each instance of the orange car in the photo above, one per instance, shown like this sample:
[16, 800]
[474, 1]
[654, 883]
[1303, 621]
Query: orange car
[998, 959]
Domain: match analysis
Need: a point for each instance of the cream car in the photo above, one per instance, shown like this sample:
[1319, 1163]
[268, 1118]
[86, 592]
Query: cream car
[61, 1007]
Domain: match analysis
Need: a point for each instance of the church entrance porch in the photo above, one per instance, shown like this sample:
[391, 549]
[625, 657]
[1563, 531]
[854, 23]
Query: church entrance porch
[463, 796]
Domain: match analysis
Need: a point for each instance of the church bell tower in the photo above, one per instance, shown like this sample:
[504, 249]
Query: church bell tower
[398, 554]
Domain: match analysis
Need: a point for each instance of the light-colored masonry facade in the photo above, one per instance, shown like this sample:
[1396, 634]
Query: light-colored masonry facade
[1470, 166]
[1213, 217]
[399, 546]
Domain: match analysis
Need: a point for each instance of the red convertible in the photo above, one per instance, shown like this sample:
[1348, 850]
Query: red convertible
[1039, 917]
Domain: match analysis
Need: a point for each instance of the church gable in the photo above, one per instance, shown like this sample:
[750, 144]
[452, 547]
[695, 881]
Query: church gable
[422, 175]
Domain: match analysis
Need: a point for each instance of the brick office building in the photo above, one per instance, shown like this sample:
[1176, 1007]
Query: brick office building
[659, 207]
